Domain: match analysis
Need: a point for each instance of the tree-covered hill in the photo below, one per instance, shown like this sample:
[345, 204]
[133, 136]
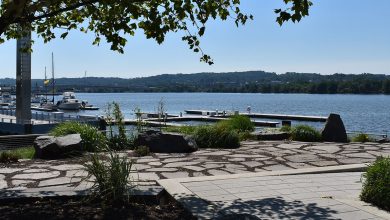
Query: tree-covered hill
[250, 81]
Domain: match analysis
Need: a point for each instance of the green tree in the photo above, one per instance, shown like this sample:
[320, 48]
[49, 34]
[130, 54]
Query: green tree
[114, 20]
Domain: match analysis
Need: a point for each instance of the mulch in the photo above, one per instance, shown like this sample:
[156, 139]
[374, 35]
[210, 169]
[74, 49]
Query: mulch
[62, 208]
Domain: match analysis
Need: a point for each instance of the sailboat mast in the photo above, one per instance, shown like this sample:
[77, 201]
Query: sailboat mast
[44, 83]
[52, 72]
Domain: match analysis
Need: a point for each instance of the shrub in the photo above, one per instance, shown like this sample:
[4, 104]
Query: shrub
[239, 123]
[119, 140]
[361, 138]
[305, 133]
[182, 129]
[8, 157]
[112, 183]
[376, 183]
[216, 137]
[141, 151]
[93, 139]
[285, 129]
[12, 156]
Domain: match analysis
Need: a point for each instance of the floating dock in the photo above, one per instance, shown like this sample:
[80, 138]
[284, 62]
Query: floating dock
[170, 121]
[268, 116]
[89, 108]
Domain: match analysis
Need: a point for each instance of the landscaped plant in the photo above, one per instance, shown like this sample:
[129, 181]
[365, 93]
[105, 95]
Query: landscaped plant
[11, 156]
[92, 138]
[117, 140]
[376, 183]
[239, 123]
[285, 129]
[305, 133]
[361, 138]
[141, 151]
[216, 137]
[111, 175]
[182, 129]
[140, 123]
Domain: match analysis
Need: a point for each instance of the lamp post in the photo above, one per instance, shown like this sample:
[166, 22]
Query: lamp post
[23, 80]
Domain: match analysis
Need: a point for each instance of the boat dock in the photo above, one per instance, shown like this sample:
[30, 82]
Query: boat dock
[170, 121]
[259, 115]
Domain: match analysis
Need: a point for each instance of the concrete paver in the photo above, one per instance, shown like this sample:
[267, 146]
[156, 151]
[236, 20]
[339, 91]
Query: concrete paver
[278, 196]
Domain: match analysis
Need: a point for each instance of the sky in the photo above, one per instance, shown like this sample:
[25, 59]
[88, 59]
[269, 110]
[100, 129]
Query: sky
[348, 36]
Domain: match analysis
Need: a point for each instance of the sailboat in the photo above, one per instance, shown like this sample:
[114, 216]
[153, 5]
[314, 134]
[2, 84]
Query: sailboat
[46, 104]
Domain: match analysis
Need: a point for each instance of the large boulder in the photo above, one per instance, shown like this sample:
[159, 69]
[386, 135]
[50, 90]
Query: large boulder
[159, 142]
[50, 147]
[334, 130]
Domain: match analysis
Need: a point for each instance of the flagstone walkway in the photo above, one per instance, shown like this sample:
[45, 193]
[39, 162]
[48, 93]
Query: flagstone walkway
[252, 156]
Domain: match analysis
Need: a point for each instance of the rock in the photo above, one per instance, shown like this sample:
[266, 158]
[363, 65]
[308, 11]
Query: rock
[274, 136]
[49, 147]
[159, 142]
[334, 130]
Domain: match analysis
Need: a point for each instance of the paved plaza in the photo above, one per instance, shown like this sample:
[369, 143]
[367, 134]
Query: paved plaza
[275, 195]
[249, 182]
[252, 156]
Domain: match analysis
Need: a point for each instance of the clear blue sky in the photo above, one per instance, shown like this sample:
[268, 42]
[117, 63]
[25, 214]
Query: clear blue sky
[347, 36]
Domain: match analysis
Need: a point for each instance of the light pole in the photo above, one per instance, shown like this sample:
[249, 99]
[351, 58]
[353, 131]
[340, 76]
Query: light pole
[23, 80]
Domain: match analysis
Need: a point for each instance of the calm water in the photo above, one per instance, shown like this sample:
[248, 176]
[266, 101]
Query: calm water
[367, 113]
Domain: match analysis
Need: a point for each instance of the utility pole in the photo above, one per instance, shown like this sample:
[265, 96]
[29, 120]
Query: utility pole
[23, 80]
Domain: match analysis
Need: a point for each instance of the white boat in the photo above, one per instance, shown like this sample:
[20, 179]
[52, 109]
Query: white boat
[69, 102]
[38, 99]
[48, 106]
[6, 99]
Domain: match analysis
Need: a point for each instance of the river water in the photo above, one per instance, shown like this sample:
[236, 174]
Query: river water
[365, 113]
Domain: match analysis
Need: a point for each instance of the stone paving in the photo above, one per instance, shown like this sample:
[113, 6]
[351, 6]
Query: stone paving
[252, 156]
[300, 196]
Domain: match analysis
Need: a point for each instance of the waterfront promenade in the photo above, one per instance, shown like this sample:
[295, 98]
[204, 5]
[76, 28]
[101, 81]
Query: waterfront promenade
[225, 182]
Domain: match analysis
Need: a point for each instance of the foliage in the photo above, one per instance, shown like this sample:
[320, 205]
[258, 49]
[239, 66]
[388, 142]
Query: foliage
[376, 184]
[285, 129]
[8, 157]
[93, 139]
[239, 123]
[161, 111]
[182, 129]
[140, 123]
[112, 182]
[117, 140]
[216, 137]
[14, 155]
[305, 133]
[141, 151]
[259, 81]
[115, 20]
[361, 138]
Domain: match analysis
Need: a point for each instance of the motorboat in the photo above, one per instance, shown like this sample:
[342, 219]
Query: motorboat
[69, 102]
[6, 99]
[38, 99]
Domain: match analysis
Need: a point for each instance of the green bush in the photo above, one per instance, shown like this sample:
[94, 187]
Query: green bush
[141, 151]
[376, 183]
[239, 123]
[305, 133]
[12, 156]
[112, 178]
[118, 140]
[93, 139]
[182, 129]
[216, 137]
[8, 157]
[361, 138]
[285, 129]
